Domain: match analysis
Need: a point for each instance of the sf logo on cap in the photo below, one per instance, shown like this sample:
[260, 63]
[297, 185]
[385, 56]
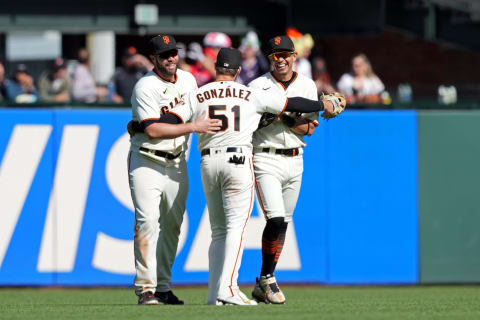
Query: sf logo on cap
[277, 41]
[166, 39]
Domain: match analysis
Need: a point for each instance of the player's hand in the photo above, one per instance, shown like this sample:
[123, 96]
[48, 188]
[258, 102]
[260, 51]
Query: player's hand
[130, 128]
[206, 125]
[328, 111]
[334, 104]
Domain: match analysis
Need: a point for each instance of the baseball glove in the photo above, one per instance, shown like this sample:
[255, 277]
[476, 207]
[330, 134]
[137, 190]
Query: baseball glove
[266, 120]
[339, 104]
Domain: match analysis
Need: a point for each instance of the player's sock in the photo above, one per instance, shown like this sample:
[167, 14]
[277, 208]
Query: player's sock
[281, 241]
[270, 241]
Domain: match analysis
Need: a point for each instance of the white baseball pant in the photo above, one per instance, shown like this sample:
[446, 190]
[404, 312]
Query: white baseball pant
[159, 193]
[229, 191]
[278, 179]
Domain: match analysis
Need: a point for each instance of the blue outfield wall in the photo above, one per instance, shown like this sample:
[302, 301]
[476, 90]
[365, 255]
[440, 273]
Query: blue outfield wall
[67, 219]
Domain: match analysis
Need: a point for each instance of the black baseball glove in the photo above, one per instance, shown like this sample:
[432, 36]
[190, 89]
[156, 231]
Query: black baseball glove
[266, 120]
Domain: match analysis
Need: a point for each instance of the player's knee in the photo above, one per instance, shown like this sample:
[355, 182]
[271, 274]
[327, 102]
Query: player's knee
[276, 223]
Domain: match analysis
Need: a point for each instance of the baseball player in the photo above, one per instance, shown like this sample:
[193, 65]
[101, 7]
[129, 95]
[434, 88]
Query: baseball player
[278, 161]
[226, 166]
[157, 173]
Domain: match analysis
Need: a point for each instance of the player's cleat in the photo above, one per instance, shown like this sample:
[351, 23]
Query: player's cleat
[167, 298]
[267, 290]
[147, 298]
[239, 299]
[258, 294]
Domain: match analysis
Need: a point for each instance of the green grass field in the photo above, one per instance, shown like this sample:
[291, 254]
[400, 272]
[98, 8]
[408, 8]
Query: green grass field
[422, 302]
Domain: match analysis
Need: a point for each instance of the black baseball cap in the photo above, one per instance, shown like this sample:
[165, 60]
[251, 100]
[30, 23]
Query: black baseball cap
[21, 67]
[129, 52]
[162, 43]
[229, 58]
[279, 44]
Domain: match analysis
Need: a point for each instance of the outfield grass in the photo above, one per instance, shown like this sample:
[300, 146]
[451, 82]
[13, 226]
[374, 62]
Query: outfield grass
[435, 302]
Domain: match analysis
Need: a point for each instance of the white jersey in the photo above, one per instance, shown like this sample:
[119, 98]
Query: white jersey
[237, 106]
[153, 97]
[278, 135]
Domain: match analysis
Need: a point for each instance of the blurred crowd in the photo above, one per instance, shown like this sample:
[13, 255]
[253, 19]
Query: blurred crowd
[73, 82]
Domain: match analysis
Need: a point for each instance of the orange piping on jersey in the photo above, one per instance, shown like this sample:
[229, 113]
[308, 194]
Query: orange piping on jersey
[243, 230]
[177, 116]
[284, 107]
[284, 88]
[149, 119]
[295, 78]
[165, 79]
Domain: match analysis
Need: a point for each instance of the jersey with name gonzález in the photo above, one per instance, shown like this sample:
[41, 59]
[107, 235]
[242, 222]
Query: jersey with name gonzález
[238, 107]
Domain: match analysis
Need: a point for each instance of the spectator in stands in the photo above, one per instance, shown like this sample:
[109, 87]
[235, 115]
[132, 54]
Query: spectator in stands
[321, 77]
[21, 88]
[254, 63]
[182, 56]
[303, 44]
[84, 88]
[3, 92]
[134, 66]
[196, 60]
[362, 85]
[212, 42]
[55, 85]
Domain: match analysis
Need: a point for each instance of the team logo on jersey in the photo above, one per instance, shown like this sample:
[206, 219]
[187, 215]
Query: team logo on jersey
[166, 39]
[277, 40]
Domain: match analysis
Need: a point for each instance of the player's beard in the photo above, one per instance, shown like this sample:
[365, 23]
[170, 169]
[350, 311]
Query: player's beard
[164, 70]
[167, 72]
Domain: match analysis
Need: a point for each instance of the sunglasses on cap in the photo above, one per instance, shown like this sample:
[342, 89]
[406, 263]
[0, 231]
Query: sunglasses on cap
[168, 54]
[283, 54]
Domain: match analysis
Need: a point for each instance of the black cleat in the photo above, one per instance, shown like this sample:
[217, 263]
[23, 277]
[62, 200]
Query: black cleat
[168, 298]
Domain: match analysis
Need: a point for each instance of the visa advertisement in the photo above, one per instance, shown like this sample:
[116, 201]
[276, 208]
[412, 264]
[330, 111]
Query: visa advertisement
[66, 215]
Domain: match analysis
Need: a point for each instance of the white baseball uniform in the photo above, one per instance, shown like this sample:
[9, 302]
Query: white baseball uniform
[227, 180]
[279, 177]
[158, 181]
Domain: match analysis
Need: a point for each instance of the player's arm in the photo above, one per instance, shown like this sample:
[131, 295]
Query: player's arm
[302, 105]
[277, 104]
[299, 125]
[172, 126]
[304, 124]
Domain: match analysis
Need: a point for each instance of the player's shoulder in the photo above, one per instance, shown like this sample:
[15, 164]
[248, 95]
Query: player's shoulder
[148, 79]
[147, 83]
[185, 74]
[262, 80]
[304, 80]
[187, 78]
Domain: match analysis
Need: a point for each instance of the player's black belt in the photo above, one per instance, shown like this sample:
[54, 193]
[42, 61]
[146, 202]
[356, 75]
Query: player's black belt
[286, 152]
[206, 152]
[158, 153]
